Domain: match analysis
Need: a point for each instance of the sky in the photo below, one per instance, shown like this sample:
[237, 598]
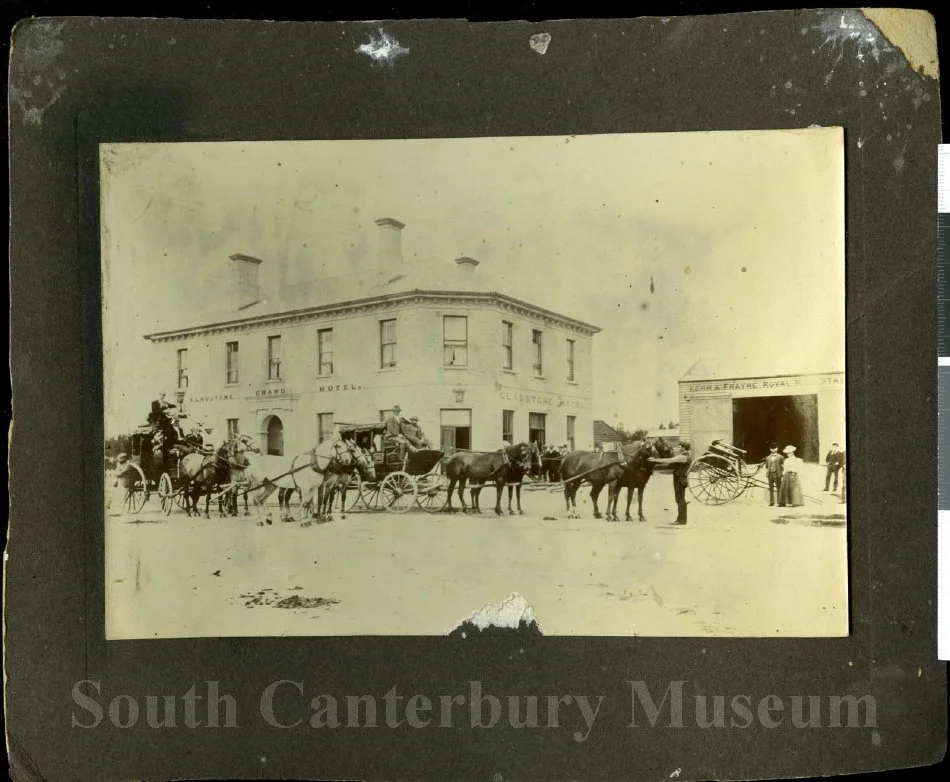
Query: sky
[725, 247]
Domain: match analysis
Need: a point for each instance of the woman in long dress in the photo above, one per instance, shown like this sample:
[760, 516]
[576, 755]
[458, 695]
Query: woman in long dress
[790, 493]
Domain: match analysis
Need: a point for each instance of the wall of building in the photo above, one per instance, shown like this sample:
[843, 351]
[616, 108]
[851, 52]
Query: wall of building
[360, 388]
[705, 406]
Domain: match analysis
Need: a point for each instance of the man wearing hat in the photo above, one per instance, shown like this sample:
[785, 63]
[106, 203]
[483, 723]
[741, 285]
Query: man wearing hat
[833, 462]
[680, 464]
[774, 465]
[413, 433]
[790, 493]
[393, 435]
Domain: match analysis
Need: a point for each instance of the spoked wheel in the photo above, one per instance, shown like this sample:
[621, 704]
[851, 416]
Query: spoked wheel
[166, 493]
[398, 491]
[353, 493]
[371, 495]
[181, 499]
[714, 480]
[137, 494]
[432, 492]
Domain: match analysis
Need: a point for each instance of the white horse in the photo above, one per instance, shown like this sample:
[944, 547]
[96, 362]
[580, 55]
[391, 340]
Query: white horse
[304, 472]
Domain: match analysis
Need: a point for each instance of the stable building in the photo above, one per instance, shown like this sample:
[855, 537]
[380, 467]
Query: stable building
[805, 410]
[442, 341]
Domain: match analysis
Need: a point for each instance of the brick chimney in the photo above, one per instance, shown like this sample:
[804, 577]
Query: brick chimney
[390, 245]
[467, 263]
[245, 285]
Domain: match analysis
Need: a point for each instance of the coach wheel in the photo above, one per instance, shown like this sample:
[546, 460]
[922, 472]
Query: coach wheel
[166, 493]
[714, 480]
[137, 494]
[398, 492]
[371, 495]
[432, 492]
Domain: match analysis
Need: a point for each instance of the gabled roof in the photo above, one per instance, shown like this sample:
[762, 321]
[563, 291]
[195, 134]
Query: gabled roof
[605, 433]
[759, 366]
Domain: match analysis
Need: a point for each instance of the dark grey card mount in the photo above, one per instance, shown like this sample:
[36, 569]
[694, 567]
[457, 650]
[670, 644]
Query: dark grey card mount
[78, 82]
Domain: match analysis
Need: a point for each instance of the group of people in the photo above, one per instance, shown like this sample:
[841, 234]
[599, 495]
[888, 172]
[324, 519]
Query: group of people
[405, 435]
[784, 470]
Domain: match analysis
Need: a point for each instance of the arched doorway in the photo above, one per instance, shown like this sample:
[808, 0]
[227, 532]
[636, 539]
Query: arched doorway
[273, 435]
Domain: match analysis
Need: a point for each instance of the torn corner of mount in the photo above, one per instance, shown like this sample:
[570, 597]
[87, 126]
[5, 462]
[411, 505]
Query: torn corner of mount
[513, 613]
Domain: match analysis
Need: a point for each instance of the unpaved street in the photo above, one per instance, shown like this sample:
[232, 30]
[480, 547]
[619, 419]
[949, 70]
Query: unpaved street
[735, 570]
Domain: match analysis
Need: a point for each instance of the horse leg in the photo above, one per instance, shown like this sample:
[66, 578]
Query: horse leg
[462, 482]
[595, 489]
[499, 488]
[518, 496]
[259, 499]
[640, 502]
[612, 491]
[510, 491]
[629, 498]
[448, 502]
[567, 500]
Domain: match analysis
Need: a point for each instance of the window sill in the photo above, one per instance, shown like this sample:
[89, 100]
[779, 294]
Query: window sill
[452, 368]
[274, 380]
[509, 371]
[235, 384]
[326, 377]
[387, 369]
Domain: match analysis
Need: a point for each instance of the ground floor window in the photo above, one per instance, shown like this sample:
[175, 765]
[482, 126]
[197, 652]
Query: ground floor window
[536, 428]
[233, 429]
[324, 426]
[456, 426]
[508, 425]
[571, 421]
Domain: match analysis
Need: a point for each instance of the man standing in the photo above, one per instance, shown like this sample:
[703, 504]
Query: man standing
[833, 463]
[773, 469]
[680, 464]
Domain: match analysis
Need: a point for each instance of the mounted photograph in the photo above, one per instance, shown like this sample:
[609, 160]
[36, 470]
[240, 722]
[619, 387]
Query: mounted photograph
[593, 384]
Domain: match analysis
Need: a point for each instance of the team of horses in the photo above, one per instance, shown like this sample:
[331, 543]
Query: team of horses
[239, 468]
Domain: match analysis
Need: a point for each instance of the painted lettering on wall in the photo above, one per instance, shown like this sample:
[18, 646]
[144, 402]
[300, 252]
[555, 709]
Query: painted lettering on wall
[778, 382]
[210, 398]
[535, 399]
[340, 387]
[271, 392]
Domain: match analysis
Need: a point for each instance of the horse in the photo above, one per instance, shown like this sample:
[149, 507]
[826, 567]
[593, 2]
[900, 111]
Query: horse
[202, 474]
[237, 464]
[551, 466]
[338, 480]
[513, 478]
[635, 475]
[304, 473]
[481, 467]
[598, 468]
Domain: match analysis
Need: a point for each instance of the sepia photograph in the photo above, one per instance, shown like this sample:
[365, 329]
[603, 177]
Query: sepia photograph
[594, 384]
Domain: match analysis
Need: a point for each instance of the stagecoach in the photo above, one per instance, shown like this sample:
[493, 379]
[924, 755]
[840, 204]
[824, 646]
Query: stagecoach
[155, 475]
[401, 481]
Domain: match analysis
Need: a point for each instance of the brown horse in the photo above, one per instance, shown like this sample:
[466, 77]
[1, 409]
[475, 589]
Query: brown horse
[603, 469]
[596, 468]
[480, 468]
[635, 475]
[514, 477]
[204, 474]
